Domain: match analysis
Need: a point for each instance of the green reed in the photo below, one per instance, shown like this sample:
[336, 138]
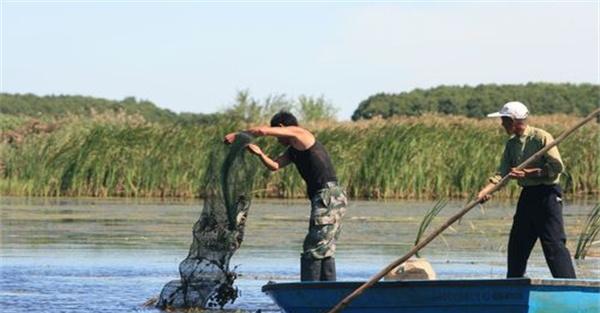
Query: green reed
[423, 157]
[588, 233]
[427, 219]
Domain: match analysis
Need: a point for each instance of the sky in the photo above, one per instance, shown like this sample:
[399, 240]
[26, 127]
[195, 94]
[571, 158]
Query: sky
[193, 56]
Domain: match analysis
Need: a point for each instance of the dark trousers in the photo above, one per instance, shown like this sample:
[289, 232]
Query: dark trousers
[539, 215]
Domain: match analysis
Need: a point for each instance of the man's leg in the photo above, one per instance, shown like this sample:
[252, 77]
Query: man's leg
[522, 238]
[314, 247]
[328, 208]
[319, 247]
[310, 269]
[550, 226]
[328, 269]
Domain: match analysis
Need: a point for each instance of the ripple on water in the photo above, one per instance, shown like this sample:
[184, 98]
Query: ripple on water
[73, 256]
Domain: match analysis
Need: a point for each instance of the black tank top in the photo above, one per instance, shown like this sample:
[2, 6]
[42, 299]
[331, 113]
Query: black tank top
[314, 166]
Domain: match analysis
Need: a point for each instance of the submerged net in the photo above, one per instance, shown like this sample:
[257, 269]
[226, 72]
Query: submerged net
[206, 279]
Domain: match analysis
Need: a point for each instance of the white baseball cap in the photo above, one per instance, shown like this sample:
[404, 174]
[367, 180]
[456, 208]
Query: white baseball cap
[513, 109]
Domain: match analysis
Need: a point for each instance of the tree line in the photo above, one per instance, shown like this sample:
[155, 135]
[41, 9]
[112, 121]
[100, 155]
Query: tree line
[540, 98]
[244, 108]
[52, 106]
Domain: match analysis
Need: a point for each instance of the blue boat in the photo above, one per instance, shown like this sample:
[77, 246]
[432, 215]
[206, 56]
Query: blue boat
[520, 295]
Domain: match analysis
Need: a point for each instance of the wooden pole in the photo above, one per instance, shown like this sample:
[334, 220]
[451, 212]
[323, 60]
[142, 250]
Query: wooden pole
[342, 304]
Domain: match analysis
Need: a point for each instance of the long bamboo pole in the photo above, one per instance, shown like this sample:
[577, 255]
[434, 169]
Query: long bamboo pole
[342, 304]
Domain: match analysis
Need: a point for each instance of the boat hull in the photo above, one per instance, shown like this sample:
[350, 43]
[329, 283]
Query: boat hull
[448, 296]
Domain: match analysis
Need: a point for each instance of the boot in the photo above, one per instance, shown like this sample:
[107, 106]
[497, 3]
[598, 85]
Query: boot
[328, 269]
[310, 269]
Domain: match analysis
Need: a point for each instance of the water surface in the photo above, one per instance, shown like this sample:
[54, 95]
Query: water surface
[112, 255]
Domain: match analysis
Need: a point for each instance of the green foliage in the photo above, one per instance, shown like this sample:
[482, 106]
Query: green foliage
[60, 106]
[10, 122]
[244, 109]
[315, 109]
[253, 111]
[111, 158]
[425, 157]
[589, 233]
[541, 98]
[427, 219]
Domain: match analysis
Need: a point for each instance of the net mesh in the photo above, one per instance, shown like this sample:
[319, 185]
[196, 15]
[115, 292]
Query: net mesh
[206, 279]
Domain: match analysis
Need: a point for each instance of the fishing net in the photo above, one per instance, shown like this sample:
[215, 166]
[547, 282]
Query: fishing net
[206, 279]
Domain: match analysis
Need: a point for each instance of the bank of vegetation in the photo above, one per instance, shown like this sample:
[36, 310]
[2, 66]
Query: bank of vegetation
[412, 157]
[82, 146]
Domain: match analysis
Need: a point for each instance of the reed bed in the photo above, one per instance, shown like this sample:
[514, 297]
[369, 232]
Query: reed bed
[419, 157]
[9, 122]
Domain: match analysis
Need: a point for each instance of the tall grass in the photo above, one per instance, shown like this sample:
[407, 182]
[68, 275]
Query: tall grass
[589, 233]
[421, 157]
[427, 219]
[9, 122]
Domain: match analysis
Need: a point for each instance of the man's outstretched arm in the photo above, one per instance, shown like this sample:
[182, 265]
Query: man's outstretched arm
[273, 165]
[289, 131]
[299, 134]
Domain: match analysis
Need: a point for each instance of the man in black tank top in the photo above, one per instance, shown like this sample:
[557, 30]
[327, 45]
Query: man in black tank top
[328, 199]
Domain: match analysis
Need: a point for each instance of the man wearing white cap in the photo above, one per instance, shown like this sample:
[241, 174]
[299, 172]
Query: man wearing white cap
[539, 210]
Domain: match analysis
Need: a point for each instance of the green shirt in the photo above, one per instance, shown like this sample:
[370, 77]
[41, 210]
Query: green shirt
[520, 148]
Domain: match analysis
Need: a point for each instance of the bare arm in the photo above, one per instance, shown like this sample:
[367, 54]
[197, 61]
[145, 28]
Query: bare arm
[484, 194]
[301, 138]
[273, 165]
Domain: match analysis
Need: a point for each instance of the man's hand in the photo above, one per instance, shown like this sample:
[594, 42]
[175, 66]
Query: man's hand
[484, 194]
[526, 172]
[254, 149]
[516, 173]
[229, 138]
[484, 197]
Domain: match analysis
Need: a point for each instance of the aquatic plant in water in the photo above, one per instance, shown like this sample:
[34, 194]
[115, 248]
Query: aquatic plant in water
[206, 279]
[588, 234]
[427, 219]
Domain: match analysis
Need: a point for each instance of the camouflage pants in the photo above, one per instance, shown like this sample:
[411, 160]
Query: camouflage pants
[327, 209]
